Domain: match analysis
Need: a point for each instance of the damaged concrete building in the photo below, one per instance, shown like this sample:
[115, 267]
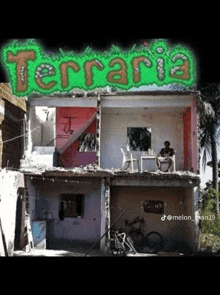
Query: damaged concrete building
[12, 118]
[75, 180]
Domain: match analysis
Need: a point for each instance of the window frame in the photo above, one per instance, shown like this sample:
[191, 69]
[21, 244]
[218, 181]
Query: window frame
[154, 207]
[130, 148]
[79, 146]
[74, 201]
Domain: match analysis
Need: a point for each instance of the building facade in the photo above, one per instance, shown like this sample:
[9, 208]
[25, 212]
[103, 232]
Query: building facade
[74, 175]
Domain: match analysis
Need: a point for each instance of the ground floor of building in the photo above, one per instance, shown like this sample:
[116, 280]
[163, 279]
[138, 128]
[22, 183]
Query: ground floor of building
[65, 210]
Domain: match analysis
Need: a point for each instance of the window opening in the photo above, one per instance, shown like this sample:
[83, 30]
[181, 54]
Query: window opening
[71, 206]
[139, 138]
[156, 207]
[87, 142]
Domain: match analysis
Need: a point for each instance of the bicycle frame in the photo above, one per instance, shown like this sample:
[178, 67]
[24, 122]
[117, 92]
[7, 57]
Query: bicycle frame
[121, 242]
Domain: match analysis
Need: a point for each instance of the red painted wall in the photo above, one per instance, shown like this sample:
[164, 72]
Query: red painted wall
[66, 128]
[187, 148]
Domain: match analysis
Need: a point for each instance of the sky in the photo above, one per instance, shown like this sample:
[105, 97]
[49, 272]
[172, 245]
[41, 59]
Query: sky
[206, 51]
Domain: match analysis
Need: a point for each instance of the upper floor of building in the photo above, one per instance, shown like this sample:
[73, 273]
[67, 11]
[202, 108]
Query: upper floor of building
[78, 129]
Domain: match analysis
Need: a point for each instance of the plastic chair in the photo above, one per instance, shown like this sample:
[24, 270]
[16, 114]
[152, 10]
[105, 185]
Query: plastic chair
[128, 158]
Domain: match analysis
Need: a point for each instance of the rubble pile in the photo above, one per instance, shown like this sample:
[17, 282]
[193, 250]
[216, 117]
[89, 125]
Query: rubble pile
[94, 170]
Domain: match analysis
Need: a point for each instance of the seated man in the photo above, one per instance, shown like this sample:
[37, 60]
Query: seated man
[165, 156]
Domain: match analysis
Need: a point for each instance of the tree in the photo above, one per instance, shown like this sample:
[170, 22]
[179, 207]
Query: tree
[139, 139]
[210, 164]
[209, 108]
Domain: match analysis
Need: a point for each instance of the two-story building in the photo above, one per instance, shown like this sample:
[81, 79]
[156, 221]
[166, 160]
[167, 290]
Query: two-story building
[74, 174]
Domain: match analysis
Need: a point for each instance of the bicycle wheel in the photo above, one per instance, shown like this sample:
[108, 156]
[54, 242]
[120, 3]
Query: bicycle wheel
[153, 243]
[138, 239]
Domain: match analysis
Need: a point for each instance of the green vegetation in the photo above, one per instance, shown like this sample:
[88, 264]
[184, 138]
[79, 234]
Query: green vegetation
[209, 221]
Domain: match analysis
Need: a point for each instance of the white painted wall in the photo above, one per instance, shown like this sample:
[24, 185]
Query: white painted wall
[10, 181]
[87, 228]
[49, 128]
[34, 136]
[45, 134]
[164, 125]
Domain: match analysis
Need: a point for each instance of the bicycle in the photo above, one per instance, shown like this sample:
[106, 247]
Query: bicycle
[151, 243]
[136, 234]
[120, 243]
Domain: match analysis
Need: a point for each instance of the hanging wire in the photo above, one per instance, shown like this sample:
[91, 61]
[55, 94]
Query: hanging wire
[20, 135]
[53, 180]
[51, 199]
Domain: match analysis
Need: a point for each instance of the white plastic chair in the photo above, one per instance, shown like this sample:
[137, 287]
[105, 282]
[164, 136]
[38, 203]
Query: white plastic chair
[128, 158]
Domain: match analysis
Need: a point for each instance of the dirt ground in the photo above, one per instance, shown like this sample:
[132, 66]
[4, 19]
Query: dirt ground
[55, 253]
[75, 253]
[63, 250]
[74, 250]
[64, 253]
[80, 249]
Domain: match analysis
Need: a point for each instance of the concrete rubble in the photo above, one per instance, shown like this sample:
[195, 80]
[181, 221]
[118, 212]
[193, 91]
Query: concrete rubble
[92, 169]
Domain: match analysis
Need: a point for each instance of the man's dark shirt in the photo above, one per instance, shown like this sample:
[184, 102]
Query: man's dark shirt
[167, 151]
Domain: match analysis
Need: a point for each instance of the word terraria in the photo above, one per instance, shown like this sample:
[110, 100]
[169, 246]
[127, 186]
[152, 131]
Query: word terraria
[32, 71]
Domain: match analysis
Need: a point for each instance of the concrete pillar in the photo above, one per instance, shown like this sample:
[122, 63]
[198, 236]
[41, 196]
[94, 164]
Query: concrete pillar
[194, 136]
[196, 216]
[98, 130]
[105, 213]
[2, 112]
[32, 193]
[23, 207]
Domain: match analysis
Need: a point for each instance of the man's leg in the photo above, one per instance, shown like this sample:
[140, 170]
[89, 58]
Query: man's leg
[170, 163]
[158, 162]
[138, 165]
